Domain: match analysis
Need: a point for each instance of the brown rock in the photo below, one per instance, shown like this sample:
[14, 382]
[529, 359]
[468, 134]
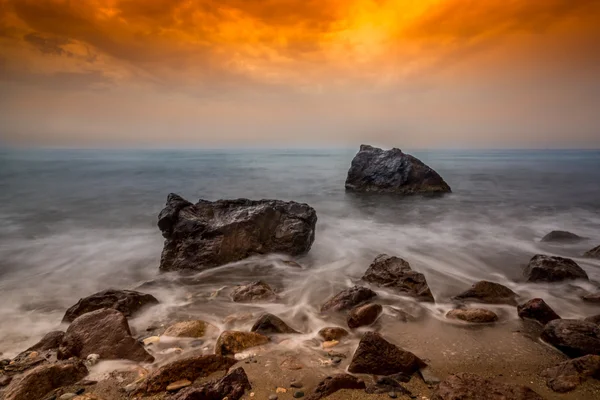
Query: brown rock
[269, 324]
[88, 396]
[5, 380]
[474, 315]
[562, 236]
[466, 386]
[37, 382]
[232, 342]
[348, 298]
[573, 337]
[595, 319]
[488, 293]
[104, 332]
[231, 387]
[332, 384]
[27, 360]
[128, 302]
[333, 333]
[538, 310]
[567, 375]
[395, 273]
[363, 315]
[190, 368]
[175, 386]
[253, 292]
[377, 356]
[544, 268]
[50, 341]
[195, 329]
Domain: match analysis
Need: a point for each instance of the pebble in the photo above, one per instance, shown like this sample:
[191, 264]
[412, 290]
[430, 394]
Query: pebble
[150, 340]
[336, 360]
[273, 397]
[33, 354]
[92, 359]
[87, 382]
[281, 390]
[330, 344]
[80, 391]
[252, 394]
[178, 385]
[130, 388]
[67, 396]
[296, 384]
[196, 343]
[393, 395]
[298, 394]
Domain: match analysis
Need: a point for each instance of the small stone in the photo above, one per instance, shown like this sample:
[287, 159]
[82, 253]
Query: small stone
[252, 394]
[330, 343]
[151, 340]
[393, 395]
[178, 385]
[298, 394]
[296, 384]
[336, 360]
[273, 397]
[33, 354]
[130, 388]
[87, 382]
[92, 359]
[67, 396]
[281, 390]
[79, 391]
[196, 343]
[428, 376]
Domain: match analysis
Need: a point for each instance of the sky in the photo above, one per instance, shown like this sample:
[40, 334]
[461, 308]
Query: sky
[210, 73]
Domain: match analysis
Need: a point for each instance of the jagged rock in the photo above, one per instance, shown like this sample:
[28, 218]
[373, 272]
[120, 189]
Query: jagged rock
[466, 386]
[50, 341]
[538, 310]
[474, 315]
[208, 234]
[27, 360]
[544, 268]
[428, 376]
[488, 293]
[190, 368]
[377, 356]
[395, 273]
[348, 298]
[332, 384]
[333, 333]
[231, 387]
[567, 375]
[595, 319]
[258, 291]
[591, 297]
[269, 324]
[562, 236]
[195, 329]
[573, 337]
[392, 171]
[363, 315]
[232, 342]
[37, 382]
[104, 332]
[593, 253]
[127, 302]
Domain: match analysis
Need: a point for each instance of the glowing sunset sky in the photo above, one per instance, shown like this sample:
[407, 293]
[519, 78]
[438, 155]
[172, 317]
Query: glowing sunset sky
[408, 73]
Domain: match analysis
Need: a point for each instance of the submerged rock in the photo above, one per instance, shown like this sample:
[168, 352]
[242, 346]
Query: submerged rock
[567, 375]
[562, 236]
[348, 298]
[37, 382]
[104, 332]
[333, 333]
[332, 384]
[258, 291]
[544, 268]
[363, 315]
[50, 341]
[466, 386]
[127, 302]
[269, 324]
[392, 171]
[395, 273]
[593, 253]
[232, 342]
[573, 337]
[474, 315]
[489, 293]
[231, 387]
[208, 234]
[591, 297]
[194, 329]
[538, 310]
[377, 356]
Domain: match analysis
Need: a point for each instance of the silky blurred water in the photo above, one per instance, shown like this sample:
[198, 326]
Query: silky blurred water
[73, 222]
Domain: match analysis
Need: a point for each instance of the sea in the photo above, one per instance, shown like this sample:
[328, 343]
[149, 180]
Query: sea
[77, 221]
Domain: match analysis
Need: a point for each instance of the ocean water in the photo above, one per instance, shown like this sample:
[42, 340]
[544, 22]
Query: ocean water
[73, 222]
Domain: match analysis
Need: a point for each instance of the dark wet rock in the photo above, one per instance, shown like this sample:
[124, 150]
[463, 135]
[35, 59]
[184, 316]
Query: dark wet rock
[128, 302]
[190, 368]
[231, 387]
[269, 324]
[333, 333]
[50, 341]
[593, 253]
[104, 332]
[208, 234]
[595, 319]
[191, 329]
[466, 386]
[375, 170]
[573, 337]
[364, 315]
[473, 315]
[567, 375]
[542, 268]
[232, 342]
[37, 382]
[258, 291]
[562, 236]
[591, 297]
[298, 394]
[348, 298]
[538, 310]
[296, 384]
[377, 356]
[488, 293]
[332, 384]
[396, 273]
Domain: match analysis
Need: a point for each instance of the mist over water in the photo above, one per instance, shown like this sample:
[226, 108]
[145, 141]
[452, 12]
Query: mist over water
[73, 222]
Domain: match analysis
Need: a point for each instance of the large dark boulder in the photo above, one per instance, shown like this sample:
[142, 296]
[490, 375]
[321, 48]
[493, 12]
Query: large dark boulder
[127, 302]
[332, 384]
[542, 268]
[231, 387]
[573, 337]
[392, 171]
[348, 298]
[395, 273]
[208, 234]
[269, 324]
[538, 310]
[488, 293]
[104, 332]
[562, 236]
[593, 253]
[567, 375]
[377, 356]
[466, 386]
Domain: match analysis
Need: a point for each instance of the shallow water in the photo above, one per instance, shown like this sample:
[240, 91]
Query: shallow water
[73, 222]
